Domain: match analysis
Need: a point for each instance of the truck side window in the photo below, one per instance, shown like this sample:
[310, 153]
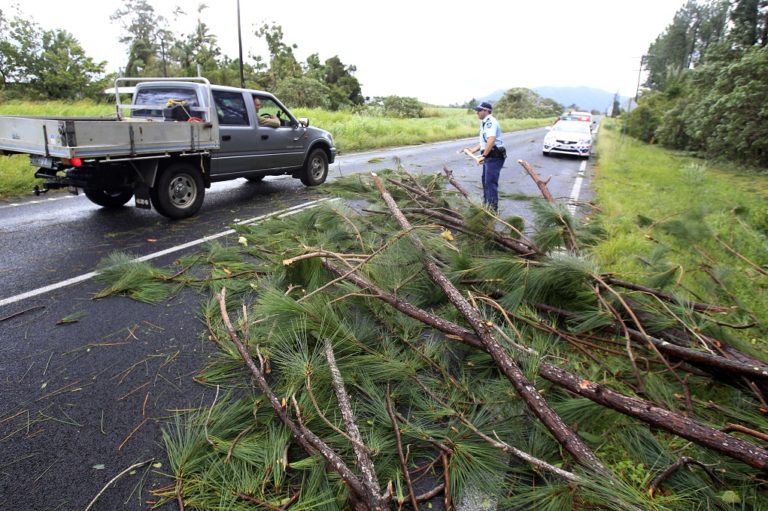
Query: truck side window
[230, 107]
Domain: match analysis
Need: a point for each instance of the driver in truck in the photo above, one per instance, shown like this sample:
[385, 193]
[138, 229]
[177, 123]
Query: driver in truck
[268, 120]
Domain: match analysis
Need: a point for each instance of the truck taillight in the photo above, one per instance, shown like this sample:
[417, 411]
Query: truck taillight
[75, 162]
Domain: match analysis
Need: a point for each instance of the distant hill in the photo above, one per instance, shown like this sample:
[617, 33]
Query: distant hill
[586, 98]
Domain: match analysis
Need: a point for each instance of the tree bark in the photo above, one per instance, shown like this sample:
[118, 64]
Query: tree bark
[649, 413]
[364, 462]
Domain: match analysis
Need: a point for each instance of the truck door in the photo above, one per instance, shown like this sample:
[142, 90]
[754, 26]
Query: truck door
[236, 153]
[281, 147]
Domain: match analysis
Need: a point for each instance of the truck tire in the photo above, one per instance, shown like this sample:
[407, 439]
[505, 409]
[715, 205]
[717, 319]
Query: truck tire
[315, 169]
[108, 199]
[179, 191]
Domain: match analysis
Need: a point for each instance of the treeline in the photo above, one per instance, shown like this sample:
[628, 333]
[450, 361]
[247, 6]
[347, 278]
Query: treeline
[707, 87]
[51, 64]
[522, 103]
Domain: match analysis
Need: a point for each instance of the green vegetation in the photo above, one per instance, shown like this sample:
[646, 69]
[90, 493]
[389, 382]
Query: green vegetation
[708, 83]
[664, 221]
[521, 103]
[680, 221]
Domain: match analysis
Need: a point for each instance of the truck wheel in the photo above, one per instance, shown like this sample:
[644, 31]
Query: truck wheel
[315, 169]
[179, 191]
[108, 199]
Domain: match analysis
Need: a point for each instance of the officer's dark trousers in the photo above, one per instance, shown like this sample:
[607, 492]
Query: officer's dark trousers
[491, 171]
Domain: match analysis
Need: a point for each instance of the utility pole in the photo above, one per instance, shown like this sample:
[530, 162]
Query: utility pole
[240, 44]
[643, 62]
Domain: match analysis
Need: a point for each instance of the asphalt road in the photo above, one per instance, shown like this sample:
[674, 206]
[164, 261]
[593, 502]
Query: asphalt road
[83, 401]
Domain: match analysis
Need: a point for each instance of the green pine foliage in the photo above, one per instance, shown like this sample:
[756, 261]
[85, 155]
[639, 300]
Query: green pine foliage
[236, 453]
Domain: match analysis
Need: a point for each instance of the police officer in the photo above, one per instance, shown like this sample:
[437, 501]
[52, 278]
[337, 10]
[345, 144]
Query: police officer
[492, 154]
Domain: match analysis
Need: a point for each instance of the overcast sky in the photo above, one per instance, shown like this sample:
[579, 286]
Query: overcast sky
[437, 51]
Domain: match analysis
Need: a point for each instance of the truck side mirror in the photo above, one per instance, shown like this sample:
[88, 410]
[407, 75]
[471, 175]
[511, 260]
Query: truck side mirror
[303, 122]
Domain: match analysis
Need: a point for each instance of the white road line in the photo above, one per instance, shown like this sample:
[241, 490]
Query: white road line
[49, 199]
[86, 276]
[576, 190]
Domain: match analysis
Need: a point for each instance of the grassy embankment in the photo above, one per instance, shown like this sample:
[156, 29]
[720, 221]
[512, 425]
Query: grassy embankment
[352, 132]
[700, 224]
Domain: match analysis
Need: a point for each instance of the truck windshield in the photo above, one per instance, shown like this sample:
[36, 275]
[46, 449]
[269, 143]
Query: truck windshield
[163, 98]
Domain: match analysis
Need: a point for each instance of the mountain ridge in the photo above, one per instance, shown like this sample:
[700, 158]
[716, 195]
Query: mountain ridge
[586, 98]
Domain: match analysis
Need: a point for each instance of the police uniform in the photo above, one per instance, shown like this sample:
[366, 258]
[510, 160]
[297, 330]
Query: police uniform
[492, 164]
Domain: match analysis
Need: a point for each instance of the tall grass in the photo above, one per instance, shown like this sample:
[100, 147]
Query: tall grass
[666, 211]
[358, 132]
[57, 108]
[351, 131]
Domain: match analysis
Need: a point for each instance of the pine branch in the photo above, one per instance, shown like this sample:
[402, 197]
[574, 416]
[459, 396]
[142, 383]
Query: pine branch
[455, 183]
[364, 462]
[698, 307]
[554, 423]
[643, 410]
[310, 442]
[569, 237]
[682, 462]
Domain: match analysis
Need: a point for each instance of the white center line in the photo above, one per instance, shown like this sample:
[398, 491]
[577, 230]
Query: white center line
[86, 276]
[576, 190]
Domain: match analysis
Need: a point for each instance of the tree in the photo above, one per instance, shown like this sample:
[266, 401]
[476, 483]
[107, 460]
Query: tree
[684, 43]
[282, 62]
[304, 92]
[199, 48]
[63, 69]
[346, 87]
[616, 109]
[398, 106]
[49, 63]
[749, 20]
[144, 32]
[522, 103]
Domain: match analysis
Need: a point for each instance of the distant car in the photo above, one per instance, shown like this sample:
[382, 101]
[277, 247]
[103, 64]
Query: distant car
[568, 137]
[577, 116]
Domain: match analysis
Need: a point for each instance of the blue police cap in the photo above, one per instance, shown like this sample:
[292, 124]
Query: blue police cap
[484, 106]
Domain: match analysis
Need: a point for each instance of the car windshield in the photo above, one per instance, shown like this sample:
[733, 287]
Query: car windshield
[578, 127]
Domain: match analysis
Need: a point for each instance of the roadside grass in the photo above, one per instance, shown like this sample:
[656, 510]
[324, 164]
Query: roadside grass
[688, 223]
[57, 108]
[351, 131]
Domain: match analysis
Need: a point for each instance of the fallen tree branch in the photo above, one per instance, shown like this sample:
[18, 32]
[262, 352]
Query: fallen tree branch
[364, 462]
[698, 307]
[118, 476]
[569, 238]
[310, 442]
[455, 183]
[554, 423]
[643, 410]
[682, 462]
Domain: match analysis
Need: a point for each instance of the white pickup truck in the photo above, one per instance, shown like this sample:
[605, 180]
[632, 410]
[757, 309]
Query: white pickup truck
[175, 138]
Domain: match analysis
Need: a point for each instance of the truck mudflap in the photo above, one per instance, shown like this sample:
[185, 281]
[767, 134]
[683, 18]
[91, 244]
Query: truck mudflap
[141, 195]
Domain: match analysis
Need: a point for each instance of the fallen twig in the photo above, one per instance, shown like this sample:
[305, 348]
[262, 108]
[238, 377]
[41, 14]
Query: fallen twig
[19, 313]
[684, 461]
[400, 454]
[118, 476]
